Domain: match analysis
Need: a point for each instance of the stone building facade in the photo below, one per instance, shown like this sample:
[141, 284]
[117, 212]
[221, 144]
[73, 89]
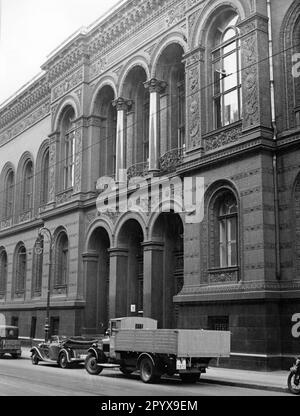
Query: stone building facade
[172, 88]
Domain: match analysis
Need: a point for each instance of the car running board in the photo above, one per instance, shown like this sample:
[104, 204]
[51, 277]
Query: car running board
[109, 365]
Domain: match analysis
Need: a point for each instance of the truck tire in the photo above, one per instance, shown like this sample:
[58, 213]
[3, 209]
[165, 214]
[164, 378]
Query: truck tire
[63, 360]
[190, 378]
[148, 372]
[91, 365]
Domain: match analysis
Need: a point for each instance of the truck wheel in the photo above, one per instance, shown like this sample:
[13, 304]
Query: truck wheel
[91, 365]
[148, 372]
[63, 360]
[190, 378]
[35, 358]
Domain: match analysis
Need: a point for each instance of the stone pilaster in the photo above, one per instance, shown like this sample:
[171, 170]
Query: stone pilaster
[153, 280]
[255, 74]
[194, 62]
[53, 141]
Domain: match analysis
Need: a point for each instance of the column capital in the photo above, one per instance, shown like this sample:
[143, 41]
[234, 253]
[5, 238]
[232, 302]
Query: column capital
[122, 104]
[155, 85]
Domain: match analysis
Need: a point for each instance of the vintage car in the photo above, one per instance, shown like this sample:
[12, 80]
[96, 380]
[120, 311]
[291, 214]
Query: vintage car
[64, 351]
[9, 341]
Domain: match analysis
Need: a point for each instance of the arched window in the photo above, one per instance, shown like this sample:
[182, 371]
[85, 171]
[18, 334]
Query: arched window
[45, 178]
[226, 62]
[172, 99]
[3, 272]
[227, 231]
[224, 230]
[27, 187]
[37, 267]
[68, 150]
[61, 260]
[20, 263]
[9, 194]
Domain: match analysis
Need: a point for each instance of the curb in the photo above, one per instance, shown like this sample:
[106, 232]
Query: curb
[245, 385]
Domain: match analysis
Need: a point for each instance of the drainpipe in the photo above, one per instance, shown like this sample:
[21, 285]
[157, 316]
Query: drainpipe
[274, 126]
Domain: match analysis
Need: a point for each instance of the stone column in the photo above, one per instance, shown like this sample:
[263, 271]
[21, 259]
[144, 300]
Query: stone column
[118, 282]
[156, 87]
[194, 62]
[122, 105]
[90, 262]
[255, 72]
[154, 280]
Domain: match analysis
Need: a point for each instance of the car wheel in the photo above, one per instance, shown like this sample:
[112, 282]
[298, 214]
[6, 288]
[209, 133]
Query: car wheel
[91, 365]
[35, 358]
[148, 372]
[190, 378]
[63, 360]
[1, 356]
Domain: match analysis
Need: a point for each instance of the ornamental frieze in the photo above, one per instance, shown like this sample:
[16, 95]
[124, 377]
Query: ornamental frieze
[98, 67]
[24, 124]
[222, 139]
[68, 84]
[176, 14]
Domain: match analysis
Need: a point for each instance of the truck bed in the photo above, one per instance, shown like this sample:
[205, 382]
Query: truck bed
[180, 342]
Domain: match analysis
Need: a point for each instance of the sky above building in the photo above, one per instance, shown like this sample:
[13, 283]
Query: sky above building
[31, 29]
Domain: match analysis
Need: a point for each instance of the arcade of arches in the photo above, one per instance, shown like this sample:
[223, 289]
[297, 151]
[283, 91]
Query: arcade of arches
[136, 277]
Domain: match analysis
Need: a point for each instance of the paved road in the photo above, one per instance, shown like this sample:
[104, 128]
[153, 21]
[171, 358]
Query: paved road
[21, 378]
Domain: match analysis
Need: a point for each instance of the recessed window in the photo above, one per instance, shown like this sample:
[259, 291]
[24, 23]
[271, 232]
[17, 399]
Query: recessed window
[62, 260]
[218, 323]
[226, 61]
[3, 271]
[227, 229]
[27, 187]
[9, 195]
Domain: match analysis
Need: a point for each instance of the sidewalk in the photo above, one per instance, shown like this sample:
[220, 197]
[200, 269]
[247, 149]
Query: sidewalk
[270, 381]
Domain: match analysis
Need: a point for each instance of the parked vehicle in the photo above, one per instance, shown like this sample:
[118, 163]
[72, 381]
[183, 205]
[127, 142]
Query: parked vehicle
[9, 341]
[135, 343]
[294, 378]
[62, 350]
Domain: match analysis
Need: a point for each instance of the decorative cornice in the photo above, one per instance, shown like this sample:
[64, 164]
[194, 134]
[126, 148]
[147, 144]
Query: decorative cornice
[25, 103]
[25, 123]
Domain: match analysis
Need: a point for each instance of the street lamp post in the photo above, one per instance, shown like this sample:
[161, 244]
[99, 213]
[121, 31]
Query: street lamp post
[46, 231]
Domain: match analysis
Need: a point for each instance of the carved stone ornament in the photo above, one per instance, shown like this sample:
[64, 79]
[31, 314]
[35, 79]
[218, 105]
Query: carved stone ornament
[176, 14]
[24, 124]
[122, 104]
[250, 81]
[98, 67]
[154, 85]
[222, 139]
[78, 158]
[68, 84]
[171, 160]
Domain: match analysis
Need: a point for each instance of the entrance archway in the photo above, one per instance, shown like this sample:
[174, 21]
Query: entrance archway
[130, 279]
[168, 232]
[97, 282]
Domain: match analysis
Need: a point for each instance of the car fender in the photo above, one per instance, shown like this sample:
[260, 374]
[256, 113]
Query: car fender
[64, 350]
[95, 351]
[36, 350]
